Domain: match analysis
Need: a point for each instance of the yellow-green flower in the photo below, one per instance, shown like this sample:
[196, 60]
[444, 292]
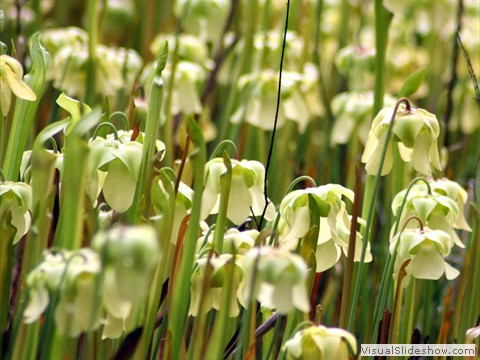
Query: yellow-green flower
[16, 198]
[438, 211]
[203, 17]
[11, 81]
[129, 255]
[246, 191]
[427, 249]
[320, 343]
[114, 167]
[280, 280]
[334, 223]
[219, 276]
[415, 132]
[73, 276]
[234, 241]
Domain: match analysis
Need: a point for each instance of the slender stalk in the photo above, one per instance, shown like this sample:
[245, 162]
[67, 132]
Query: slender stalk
[277, 110]
[181, 291]
[358, 273]
[24, 112]
[92, 16]
[152, 127]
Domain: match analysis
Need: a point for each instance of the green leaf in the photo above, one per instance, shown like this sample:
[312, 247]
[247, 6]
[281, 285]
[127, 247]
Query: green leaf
[412, 84]
[25, 110]
[162, 59]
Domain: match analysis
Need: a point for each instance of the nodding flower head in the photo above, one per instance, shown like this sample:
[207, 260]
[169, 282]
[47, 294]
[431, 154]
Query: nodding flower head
[426, 249]
[295, 212]
[321, 343]
[415, 133]
[246, 191]
[280, 280]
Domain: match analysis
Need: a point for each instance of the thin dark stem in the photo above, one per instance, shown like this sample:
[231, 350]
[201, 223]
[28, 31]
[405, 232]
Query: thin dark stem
[453, 70]
[272, 141]
[470, 70]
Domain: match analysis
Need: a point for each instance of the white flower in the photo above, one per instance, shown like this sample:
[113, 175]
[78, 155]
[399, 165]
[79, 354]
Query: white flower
[246, 190]
[320, 343]
[11, 81]
[16, 198]
[73, 276]
[415, 132]
[437, 211]
[114, 167]
[427, 250]
[334, 223]
[129, 255]
[280, 280]
[218, 277]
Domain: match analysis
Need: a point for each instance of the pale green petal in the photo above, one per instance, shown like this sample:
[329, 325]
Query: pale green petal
[119, 186]
[300, 297]
[328, 345]
[407, 127]
[373, 163]
[5, 96]
[421, 154]
[239, 201]
[299, 227]
[282, 297]
[37, 304]
[424, 207]
[327, 255]
[427, 263]
[113, 328]
[450, 272]
[346, 336]
[131, 155]
[64, 318]
[294, 345]
[19, 88]
[342, 130]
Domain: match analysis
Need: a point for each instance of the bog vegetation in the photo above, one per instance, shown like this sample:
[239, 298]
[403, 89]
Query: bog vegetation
[237, 179]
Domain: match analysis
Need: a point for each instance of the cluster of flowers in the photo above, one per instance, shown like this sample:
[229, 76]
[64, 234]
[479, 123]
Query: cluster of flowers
[90, 287]
[440, 208]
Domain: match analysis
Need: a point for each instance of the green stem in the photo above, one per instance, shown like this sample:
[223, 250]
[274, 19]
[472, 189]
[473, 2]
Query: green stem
[225, 184]
[382, 24]
[152, 128]
[385, 282]
[24, 112]
[92, 16]
[358, 273]
[181, 292]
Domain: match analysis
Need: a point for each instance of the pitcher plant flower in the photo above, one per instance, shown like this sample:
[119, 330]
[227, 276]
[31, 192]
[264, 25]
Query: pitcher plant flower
[114, 166]
[16, 199]
[129, 255]
[11, 81]
[71, 275]
[427, 249]
[415, 133]
[438, 210]
[218, 276]
[334, 223]
[321, 343]
[279, 278]
[246, 191]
